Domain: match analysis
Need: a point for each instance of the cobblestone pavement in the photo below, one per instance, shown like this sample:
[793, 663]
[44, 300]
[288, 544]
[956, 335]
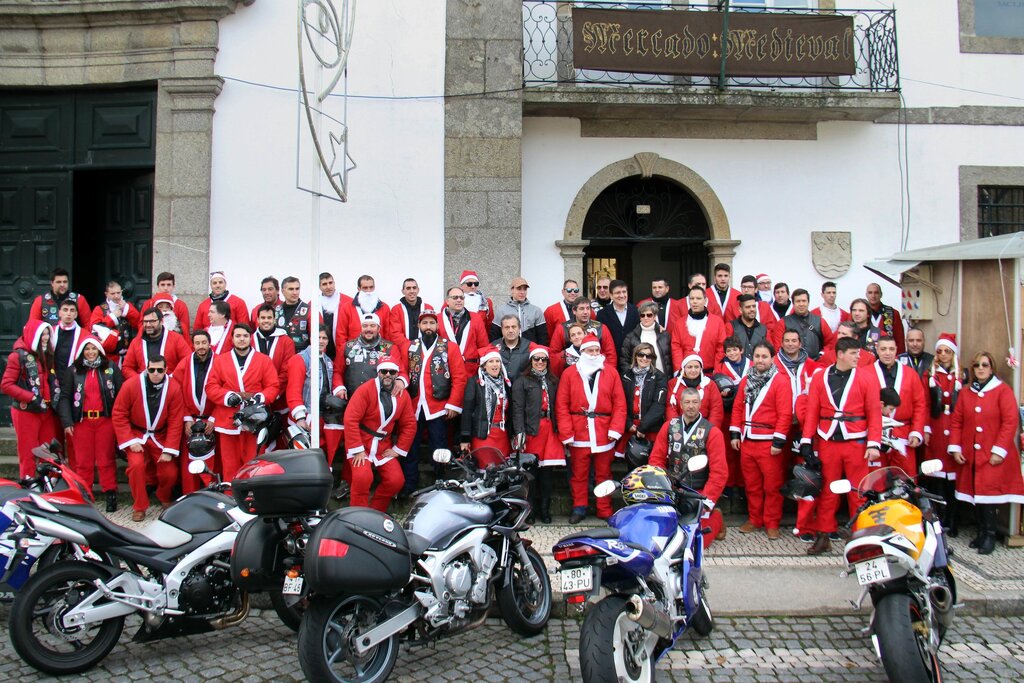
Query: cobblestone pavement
[741, 650]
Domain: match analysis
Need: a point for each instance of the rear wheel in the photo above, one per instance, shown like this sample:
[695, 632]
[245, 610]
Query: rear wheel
[902, 633]
[37, 631]
[290, 615]
[327, 637]
[524, 606]
[613, 648]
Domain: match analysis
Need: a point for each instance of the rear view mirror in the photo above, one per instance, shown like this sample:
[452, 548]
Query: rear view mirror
[605, 488]
[931, 466]
[840, 487]
[197, 467]
[697, 462]
[442, 456]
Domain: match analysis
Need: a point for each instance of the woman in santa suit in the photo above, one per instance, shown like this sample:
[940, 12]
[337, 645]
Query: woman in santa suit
[645, 388]
[983, 439]
[533, 422]
[485, 410]
[691, 374]
[568, 356]
[943, 383]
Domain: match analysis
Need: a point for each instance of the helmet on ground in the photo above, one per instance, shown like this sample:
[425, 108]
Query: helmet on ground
[647, 484]
[638, 451]
[805, 484]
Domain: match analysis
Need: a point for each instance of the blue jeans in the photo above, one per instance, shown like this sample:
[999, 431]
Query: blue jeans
[436, 431]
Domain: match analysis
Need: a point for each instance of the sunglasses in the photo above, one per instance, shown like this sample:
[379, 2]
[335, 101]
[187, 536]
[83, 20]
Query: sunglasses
[471, 284]
[647, 315]
[156, 371]
[602, 286]
[539, 359]
[150, 321]
[388, 372]
[572, 290]
[981, 365]
[457, 298]
[644, 355]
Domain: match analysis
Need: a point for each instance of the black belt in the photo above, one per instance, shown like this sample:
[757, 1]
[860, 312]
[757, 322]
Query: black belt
[762, 425]
[590, 413]
[379, 435]
[846, 418]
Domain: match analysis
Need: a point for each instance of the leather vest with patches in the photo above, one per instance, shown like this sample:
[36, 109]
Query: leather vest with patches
[296, 327]
[440, 372]
[682, 447]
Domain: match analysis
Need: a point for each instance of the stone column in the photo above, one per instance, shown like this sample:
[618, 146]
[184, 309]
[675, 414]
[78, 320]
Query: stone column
[483, 158]
[181, 206]
[572, 258]
[720, 251]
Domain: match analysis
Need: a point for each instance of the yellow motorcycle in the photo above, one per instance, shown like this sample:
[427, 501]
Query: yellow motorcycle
[899, 555]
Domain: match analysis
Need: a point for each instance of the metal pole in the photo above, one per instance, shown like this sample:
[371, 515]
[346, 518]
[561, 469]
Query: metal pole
[723, 6]
[314, 267]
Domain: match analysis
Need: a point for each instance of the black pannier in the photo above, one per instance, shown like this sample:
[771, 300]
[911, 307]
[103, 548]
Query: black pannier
[290, 482]
[357, 550]
[257, 558]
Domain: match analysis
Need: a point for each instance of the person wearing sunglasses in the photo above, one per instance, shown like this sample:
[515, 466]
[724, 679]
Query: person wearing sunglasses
[486, 418]
[148, 417]
[650, 332]
[983, 440]
[477, 303]
[379, 429]
[156, 339]
[465, 329]
[944, 381]
[644, 387]
[562, 311]
[534, 394]
[583, 316]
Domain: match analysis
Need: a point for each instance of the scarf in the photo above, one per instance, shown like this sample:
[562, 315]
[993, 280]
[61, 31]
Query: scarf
[693, 383]
[699, 316]
[219, 297]
[92, 364]
[793, 364]
[978, 386]
[756, 381]
[494, 387]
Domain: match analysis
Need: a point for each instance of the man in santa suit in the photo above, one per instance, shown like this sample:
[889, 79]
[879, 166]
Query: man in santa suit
[722, 298]
[148, 418]
[270, 291]
[66, 334]
[828, 310]
[367, 302]
[405, 315]
[669, 309]
[117, 319]
[294, 315]
[299, 395]
[865, 332]
[465, 329]
[591, 412]
[761, 417]
[699, 333]
[781, 305]
[437, 383]
[220, 327]
[562, 311]
[582, 312]
[271, 340]
[886, 318]
[912, 410]
[477, 303]
[244, 373]
[815, 334]
[916, 358]
[379, 427]
[331, 303]
[357, 361]
[219, 292]
[165, 285]
[764, 288]
[46, 307]
[844, 417]
[848, 329]
[747, 327]
[191, 375]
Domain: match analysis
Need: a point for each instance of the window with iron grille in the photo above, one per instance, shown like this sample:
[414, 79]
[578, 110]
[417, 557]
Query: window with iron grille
[1000, 210]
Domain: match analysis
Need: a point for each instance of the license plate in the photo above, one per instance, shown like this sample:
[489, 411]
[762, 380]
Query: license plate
[872, 571]
[577, 580]
[292, 586]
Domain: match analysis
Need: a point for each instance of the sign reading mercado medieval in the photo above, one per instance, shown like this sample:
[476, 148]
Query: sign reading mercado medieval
[689, 43]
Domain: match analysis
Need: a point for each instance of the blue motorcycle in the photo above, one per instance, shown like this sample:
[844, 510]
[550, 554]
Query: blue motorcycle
[650, 562]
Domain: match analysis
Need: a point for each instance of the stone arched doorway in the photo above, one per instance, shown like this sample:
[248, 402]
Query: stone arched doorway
[645, 165]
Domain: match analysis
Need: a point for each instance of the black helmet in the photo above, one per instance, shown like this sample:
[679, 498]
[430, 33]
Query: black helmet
[252, 417]
[332, 405]
[726, 385]
[806, 483]
[638, 452]
[200, 444]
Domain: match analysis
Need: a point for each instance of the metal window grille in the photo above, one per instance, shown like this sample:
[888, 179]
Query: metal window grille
[1000, 210]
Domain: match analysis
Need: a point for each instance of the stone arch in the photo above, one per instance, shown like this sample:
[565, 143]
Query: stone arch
[721, 247]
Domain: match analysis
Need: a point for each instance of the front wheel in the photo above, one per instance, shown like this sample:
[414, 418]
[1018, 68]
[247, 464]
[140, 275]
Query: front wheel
[524, 606]
[613, 648]
[703, 621]
[37, 631]
[327, 637]
[902, 631]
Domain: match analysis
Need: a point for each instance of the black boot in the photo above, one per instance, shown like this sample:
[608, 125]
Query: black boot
[979, 526]
[951, 518]
[987, 542]
[544, 489]
[111, 501]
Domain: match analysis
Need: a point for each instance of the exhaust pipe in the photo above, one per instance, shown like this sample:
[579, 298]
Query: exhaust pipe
[650, 617]
[235, 617]
[942, 602]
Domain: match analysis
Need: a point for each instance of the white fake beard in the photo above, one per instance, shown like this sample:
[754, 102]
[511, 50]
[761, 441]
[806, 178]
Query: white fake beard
[115, 309]
[367, 301]
[474, 301]
[329, 304]
[171, 321]
[588, 365]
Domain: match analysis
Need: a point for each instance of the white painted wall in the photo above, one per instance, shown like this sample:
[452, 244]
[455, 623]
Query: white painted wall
[392, 226]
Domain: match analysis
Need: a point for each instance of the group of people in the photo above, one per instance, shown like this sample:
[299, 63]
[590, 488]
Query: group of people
[752, 377]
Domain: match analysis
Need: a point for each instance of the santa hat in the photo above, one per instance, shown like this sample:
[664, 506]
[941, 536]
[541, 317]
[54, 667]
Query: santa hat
[489, 353]
[468, 275]
[761, 277]
[428, 313]
[590, 340]
[369, 318]
[387, 363]
[162, 298]
[89, 339]
[33, 334]
[691, 357]
[218, 273]
[539, 351]
[947, 339]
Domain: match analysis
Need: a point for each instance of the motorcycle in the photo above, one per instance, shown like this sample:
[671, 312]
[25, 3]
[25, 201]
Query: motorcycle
[371, 581]
[898, 552]
[174, 573]
[20, 554]
[649, 559]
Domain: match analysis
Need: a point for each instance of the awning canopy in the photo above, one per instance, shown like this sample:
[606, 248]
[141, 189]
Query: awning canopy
[891, 270]
[998, 247]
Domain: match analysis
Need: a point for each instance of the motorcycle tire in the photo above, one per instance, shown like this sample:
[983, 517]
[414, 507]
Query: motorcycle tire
[525, 611]
[290, 616]
[605, 633]
[47, 594]
[324, 624]
[703, 621]
[904, 652]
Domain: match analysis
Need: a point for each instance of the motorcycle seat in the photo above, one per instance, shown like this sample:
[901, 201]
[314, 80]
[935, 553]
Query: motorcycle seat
[12, 493]
[91, 514]
[605, 533]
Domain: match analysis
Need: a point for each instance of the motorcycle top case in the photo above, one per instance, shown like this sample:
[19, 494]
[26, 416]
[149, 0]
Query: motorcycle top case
[357, 550]
[289, 482]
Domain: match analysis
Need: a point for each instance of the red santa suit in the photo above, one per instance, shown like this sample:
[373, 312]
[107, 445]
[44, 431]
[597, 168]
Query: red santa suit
[841, 443]
[556, 314]
[27, 383]
[297, 399]
[760, 425]
[912, 412]
[799, 382]
[470, 335]
[106, 325]
[711, 405]
[591, 419]
[986, 422]
[220, 337]
[255, 375]
[371, 429]
[944, 391]
[157, 431]
[354, 316]
[281, 349]
[178, 307]
[239, 311]
[561, 340]
[172, 347]
[196, 406]
[731, 310]
[703, 337]
[399, 324]
[832, 316]
[342, 322]
[254, 319]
